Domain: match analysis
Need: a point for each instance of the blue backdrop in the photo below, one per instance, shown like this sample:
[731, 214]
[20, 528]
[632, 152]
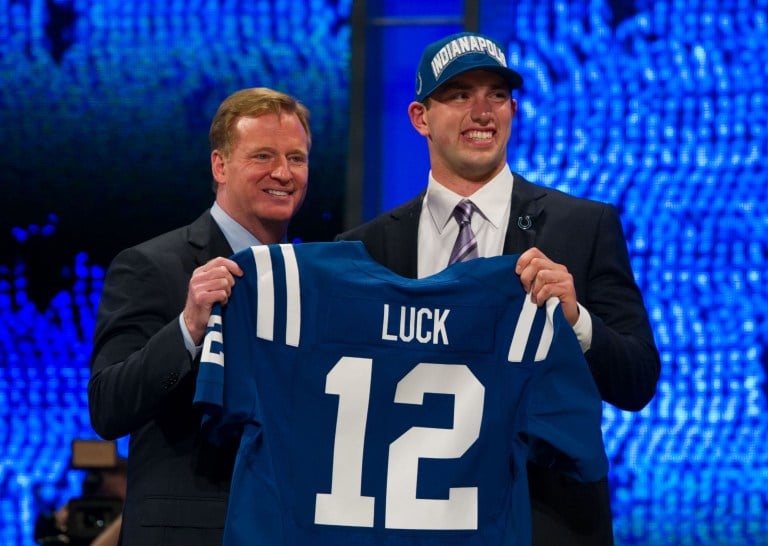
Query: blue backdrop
[659, 107]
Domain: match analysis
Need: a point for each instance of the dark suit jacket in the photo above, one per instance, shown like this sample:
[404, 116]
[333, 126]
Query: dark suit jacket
[142, 383]
[586, 237]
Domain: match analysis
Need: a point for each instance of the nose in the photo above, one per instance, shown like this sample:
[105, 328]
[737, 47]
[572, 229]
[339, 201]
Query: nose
[281, 171]
[481, 110]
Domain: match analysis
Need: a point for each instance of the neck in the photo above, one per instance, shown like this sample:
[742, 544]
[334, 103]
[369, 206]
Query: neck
[457, 184]
[267, 233]
[465, 184]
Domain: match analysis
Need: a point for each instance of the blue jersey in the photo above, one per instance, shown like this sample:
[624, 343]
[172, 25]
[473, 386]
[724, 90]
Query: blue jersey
[375, 409]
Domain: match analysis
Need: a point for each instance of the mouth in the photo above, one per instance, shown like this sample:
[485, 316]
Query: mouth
[479, 135]
[278, 193]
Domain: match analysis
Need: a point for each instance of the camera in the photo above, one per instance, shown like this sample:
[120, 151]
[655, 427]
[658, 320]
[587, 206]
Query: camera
[84, 518]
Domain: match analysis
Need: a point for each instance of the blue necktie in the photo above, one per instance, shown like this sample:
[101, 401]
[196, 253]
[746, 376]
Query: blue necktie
[466, 243]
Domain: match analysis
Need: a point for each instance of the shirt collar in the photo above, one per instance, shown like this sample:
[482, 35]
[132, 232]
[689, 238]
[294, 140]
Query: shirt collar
[492, 199]
[237, 236]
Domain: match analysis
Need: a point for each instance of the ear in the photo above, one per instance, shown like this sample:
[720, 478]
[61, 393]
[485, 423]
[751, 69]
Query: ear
[513, 105]
[417, 112]
[218, 166]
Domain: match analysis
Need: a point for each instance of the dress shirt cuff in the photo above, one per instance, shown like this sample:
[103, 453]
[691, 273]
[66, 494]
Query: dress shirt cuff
[193, 349]
[583, 328]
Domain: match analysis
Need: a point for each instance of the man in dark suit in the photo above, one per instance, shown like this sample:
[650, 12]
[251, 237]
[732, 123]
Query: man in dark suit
[570, 248]
[154, 309]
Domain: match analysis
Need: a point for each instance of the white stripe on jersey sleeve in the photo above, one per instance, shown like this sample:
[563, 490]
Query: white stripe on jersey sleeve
[545, 342]
[522, 331]
[214, 334]
[265, 310]
[293, 297]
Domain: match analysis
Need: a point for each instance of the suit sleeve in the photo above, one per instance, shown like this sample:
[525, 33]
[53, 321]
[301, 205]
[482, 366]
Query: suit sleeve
[623, 357]
[140, 368]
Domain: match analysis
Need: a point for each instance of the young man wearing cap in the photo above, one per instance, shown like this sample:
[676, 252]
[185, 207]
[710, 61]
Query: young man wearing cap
[569, 248]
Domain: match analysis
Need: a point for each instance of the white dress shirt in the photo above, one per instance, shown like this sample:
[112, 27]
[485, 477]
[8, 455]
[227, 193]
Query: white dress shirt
[438, 229]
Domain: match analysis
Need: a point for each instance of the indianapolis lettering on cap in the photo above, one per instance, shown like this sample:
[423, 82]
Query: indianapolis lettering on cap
[461, 46]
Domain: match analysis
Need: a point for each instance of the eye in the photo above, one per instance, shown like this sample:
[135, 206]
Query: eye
[459, 95]
[298, 159]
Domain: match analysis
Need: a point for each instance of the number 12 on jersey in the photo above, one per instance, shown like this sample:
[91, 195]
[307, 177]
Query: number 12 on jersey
[345, 504]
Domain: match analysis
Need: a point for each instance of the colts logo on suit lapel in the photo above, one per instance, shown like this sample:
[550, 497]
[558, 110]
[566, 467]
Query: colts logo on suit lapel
[525, 222]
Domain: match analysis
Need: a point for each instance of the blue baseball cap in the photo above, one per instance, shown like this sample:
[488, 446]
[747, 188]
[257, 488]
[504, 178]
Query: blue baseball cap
[459, 53]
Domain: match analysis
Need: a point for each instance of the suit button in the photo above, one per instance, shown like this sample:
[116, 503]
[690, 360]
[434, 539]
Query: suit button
[170, 380]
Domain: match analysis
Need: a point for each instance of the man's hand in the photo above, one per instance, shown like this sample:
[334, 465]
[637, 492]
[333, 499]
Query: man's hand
[210, 284]
[542, 278]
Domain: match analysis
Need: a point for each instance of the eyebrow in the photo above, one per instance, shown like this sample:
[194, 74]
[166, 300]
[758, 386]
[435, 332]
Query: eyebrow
[463, 86]
[456, 85]
[273, 150]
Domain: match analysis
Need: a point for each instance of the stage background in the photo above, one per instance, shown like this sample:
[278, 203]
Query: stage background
[659, 107]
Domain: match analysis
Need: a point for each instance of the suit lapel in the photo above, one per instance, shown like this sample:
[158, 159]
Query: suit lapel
[402, 236]
[525, 216]
[207, 239]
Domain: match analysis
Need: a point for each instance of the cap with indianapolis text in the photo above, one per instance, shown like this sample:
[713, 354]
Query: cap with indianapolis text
[459, 53]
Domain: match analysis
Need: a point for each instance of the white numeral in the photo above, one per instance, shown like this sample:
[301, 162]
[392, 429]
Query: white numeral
[459, 511]
[345, 505]
[350, 379]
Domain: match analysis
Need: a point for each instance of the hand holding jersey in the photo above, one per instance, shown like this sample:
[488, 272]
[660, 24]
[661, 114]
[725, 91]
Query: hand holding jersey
[542, 278]
[210, 284]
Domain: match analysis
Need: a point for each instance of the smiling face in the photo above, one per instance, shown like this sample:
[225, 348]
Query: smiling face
[262, 181]
[467, 123]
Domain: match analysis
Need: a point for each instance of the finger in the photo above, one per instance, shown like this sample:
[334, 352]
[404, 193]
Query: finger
[525, 259]
[531, 270]
[216, 273]
[232, 267]
[544, 285]
[527, 276]
[551, 283]
[225, 263]
[543, 291]
[212, 289]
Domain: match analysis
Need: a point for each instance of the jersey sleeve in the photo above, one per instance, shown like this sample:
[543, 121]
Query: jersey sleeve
[565, 412]
[209, 390]
[226, 390]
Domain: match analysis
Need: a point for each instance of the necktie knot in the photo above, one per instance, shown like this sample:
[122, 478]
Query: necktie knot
[466, 243]
[463, 212]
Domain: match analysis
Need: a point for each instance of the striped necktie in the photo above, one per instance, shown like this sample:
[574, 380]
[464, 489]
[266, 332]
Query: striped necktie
[466, 243]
